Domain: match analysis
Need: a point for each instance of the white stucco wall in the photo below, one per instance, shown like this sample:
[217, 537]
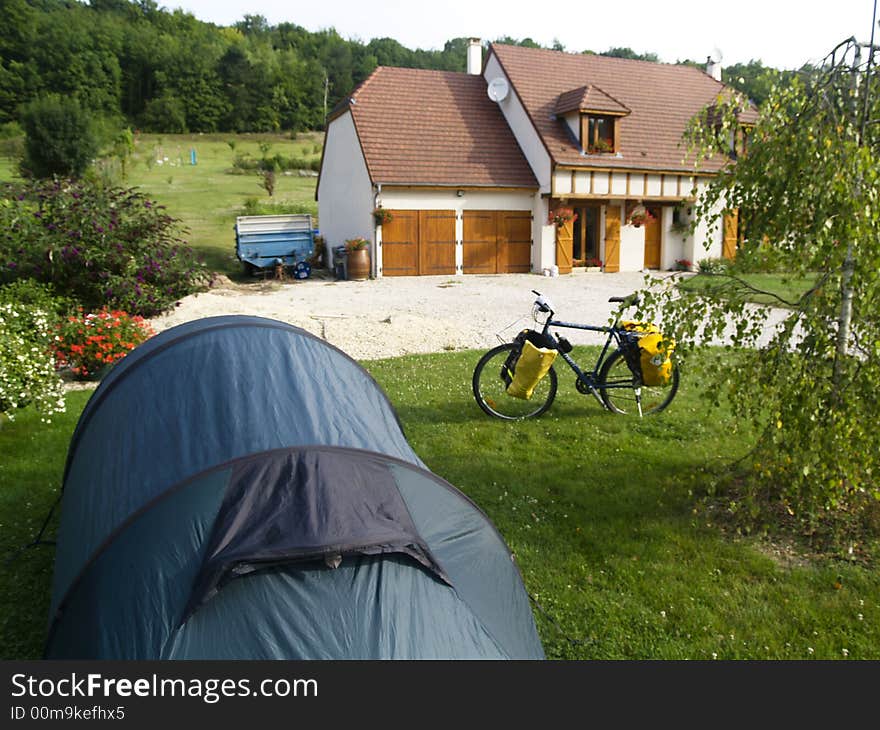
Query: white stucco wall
[521, 126]
[706, 242]
[632, 246]
[345, 192]
[672, 242]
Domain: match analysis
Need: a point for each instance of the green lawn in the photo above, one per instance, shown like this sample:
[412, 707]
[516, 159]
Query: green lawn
[206, 197]
[600, 510]
[775, 289]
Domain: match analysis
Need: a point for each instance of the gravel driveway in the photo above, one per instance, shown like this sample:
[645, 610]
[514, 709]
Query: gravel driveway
[392, 316]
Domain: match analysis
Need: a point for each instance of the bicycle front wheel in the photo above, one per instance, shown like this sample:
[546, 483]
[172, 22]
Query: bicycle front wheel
[622, 393]
[490, 387]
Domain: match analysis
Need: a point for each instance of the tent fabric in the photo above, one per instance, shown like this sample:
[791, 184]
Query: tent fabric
[312, 504]
[237, 488]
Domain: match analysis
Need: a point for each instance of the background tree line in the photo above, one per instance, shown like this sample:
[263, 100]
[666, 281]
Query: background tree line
[134, 62]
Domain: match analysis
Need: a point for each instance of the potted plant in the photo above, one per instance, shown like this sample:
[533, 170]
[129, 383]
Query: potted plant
[683, 265]
[382, 216]
[593, 264]
[357, 253]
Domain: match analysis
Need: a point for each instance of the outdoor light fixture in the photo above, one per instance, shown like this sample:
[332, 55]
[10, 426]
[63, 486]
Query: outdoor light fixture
[459, 193]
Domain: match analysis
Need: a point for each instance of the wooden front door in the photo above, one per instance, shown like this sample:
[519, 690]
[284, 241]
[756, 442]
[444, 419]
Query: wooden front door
[564, 246]
[652, 240]
[496, 241]
[612, 238]
[419, 242]
[728, 245]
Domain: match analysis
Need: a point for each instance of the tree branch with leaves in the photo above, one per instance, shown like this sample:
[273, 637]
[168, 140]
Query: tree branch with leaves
[807, 193]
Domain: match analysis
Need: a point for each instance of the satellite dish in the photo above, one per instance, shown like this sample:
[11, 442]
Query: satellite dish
[717, 56]
[497, 89]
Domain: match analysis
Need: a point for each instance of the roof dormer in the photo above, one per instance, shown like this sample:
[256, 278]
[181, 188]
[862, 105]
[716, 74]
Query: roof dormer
[593, 117]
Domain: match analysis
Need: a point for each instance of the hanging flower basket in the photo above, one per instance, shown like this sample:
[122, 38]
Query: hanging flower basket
[560, 216]
[382, 216]
[639, 216]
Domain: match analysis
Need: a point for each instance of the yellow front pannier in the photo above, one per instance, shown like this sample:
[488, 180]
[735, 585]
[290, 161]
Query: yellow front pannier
[533, 364]
[655, 353]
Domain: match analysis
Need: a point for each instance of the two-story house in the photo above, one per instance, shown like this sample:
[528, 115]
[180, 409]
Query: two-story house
[532, 159]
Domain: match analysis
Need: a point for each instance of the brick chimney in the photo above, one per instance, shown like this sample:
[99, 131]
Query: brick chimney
[474, 57]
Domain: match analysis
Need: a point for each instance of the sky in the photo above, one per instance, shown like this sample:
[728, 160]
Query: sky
[779, 33]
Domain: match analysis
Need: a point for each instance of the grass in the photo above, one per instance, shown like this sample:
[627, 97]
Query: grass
[775, 289]
[205, 196]
[600, 511]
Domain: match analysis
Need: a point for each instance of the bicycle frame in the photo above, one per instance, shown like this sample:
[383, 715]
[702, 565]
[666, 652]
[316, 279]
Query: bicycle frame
[588, 378]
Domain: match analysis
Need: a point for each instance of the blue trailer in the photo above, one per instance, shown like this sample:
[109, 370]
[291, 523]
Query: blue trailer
[264, 241]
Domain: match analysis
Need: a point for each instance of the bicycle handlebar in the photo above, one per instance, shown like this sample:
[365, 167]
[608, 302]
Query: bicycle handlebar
[542, 303]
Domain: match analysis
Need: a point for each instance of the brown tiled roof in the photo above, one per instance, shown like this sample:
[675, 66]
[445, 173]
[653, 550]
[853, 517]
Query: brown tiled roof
[420, 127]
[662, 99]
[588, 98]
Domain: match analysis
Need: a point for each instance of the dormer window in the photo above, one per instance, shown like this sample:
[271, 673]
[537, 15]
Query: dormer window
[598, 134]
[594, 118]
[732, 134]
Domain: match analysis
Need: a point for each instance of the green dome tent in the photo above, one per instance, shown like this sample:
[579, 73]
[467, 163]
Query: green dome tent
[237, 488]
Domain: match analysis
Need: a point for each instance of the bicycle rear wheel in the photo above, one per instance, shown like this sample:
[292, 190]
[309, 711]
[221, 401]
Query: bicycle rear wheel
[621, 391]
[490, 388]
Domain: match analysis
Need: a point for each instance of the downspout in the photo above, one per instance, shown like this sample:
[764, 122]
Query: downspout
[376, 239]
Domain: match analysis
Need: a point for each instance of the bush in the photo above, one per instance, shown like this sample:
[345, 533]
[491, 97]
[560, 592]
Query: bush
[103, 247]
[255, 206]
[27, 371]
[277, 163]
[59, 138]
[35, 294]
[88, 343]
[713, 266]
[760, 258]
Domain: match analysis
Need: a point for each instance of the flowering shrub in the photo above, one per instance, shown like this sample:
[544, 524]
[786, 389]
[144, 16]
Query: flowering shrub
[683, 265]
[87, 343]
[102, 246]
[27, 372]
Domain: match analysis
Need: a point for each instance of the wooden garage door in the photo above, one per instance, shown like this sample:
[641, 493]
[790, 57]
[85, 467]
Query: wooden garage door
[496, 241]
[418, 242]
[400, 244]
[516, 229]
[436, 242]
[479, 241]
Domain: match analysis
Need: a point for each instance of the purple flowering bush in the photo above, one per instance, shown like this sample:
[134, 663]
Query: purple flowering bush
[109, 247]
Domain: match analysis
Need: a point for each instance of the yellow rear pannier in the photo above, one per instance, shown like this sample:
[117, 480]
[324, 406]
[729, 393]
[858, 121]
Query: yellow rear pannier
[533, 364]
[655, 352]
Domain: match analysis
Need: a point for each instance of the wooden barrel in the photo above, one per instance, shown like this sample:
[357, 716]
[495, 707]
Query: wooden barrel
[358, 264]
